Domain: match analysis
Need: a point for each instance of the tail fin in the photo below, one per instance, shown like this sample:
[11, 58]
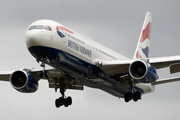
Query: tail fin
[143, 46]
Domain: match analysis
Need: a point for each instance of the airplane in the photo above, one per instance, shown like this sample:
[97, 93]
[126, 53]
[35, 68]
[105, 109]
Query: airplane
[69, 60]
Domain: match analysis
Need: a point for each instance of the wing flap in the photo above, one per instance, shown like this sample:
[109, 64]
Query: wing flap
[74, 87]
[174, 68]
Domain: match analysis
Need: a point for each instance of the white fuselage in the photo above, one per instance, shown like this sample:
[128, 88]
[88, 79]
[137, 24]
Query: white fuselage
[52, 39]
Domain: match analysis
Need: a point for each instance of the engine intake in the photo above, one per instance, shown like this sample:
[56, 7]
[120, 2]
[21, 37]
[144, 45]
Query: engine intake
[142, 71]
[23, 82]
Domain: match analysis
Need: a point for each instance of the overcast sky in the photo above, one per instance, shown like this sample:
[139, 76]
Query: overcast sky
[115, 24]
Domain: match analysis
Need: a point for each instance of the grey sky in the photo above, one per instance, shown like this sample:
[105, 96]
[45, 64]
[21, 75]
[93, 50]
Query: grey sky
[115, 24]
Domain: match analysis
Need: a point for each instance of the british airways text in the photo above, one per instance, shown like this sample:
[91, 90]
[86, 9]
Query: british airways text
[79, 48]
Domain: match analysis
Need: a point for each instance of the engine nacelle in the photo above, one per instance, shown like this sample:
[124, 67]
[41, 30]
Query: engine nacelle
[142, 71]
[23, 82]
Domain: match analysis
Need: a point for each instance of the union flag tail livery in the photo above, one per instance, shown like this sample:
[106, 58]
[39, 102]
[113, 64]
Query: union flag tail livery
[143, 46]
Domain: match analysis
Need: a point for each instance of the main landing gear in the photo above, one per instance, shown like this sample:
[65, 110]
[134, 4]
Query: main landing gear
[132, 94]
[135, 96]
[63, 100]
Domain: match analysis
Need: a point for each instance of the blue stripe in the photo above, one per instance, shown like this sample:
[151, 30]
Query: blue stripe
[146, 51]
[60, 34]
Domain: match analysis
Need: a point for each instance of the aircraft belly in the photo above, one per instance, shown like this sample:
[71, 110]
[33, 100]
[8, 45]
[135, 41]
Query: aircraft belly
[79, 70]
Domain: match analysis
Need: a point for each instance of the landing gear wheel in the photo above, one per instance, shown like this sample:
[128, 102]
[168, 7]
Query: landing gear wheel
[63, 101]
[66, 104]
[57, 103]
[128, 97]
[136, 96]
[69, 100]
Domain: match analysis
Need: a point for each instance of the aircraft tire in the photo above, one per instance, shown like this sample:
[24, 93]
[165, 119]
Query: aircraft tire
[135, 97]
[128, 97]
[69, 100]
[57, 103]
[66, 103]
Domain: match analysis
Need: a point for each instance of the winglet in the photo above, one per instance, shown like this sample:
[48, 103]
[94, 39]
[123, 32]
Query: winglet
[143, 46]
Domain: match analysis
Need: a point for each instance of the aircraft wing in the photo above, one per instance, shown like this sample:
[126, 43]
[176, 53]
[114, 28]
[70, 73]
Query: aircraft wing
[121, 67]
[4, 75]
[167, 80]
[162, 62]
[54, 77]
[117, 67]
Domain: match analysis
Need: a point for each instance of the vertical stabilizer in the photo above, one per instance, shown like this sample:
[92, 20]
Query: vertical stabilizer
[143, 46]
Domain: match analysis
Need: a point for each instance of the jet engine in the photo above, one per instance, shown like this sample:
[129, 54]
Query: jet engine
[23, 82]
[142, 71]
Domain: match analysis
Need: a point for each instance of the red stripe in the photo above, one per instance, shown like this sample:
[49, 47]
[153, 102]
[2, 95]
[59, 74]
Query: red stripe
[138, 55]
[65, 29]
[146, 33]
[57, 27]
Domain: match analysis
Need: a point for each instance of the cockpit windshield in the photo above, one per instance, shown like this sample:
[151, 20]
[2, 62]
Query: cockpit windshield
[40, 27]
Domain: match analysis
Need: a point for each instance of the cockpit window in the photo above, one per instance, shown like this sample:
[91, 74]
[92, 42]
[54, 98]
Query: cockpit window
[32, 27]
[48, 28]
[40, 27]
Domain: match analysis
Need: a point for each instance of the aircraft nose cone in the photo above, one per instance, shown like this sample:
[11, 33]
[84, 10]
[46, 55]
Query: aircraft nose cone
[33, 38]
